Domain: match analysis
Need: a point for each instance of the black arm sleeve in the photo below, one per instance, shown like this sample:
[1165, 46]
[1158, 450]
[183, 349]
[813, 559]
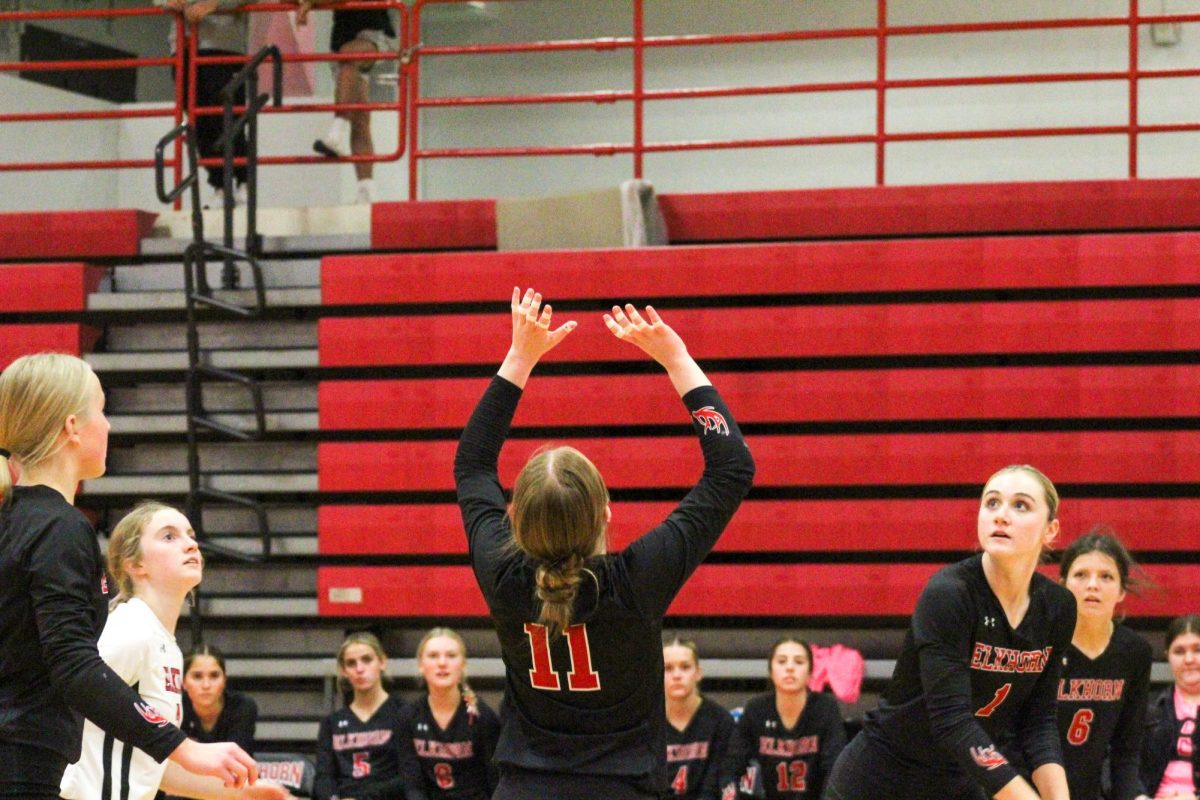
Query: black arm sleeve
[1037, 730]
[942, 632]
[63, 570]
[486, 737]
[711, 784]
[662, 560]
[1126, 746]
[480, 498]
[325, 781]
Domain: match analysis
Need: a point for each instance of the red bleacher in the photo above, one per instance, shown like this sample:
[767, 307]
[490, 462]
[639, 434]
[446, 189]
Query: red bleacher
[47, 287]
[1023, 337]
[775, 526]
[74, 234]
[715, 590]
[982, 208]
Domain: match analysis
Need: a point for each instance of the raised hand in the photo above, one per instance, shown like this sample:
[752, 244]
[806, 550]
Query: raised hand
[659, 341]
[532, 336]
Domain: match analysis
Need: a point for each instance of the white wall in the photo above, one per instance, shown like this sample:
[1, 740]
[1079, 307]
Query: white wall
[918, 56]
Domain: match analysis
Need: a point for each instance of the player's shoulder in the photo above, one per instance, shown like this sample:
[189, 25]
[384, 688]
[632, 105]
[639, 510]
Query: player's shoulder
[759, 707]
[956, 583]
[130, 621]
[1132, 645]
[823, 702]
[711, 708]
[1054, 592]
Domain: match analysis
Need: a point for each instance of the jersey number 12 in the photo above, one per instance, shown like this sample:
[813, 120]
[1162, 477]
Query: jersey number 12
[581, 678]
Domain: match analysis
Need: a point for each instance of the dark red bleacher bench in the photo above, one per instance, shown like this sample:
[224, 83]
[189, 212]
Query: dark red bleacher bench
[47, 287]
[875, 525]
[1075, 326]
[22, 340]
[1101, 457]
[715, 590]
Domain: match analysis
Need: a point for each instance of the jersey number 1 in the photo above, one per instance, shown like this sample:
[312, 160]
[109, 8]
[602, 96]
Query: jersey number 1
[581, 678]
[995, 702]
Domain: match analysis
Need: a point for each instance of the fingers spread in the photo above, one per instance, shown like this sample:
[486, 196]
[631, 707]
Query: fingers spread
[544, 320]
[653, 316]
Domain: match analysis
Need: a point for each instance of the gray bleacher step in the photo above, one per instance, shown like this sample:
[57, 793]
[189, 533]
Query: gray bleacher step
[170, 360]
[256, 607]
[301, 421]
[266, 580]
[278, 396]
[286, 731]
[271, 245]
[223, 335]
[251, 544]
[303, 273]
[159, 457]
[174, 484]
[168, 300]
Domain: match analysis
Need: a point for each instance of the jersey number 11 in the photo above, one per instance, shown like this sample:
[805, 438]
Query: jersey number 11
[581, 678]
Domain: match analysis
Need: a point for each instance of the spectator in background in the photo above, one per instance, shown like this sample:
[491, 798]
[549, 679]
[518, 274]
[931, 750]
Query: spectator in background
[212, 712]
[1170, 759]
[698, 728]
[358, 752]
[448, 736]
[219, 34]
[786, 741]
[364, 31]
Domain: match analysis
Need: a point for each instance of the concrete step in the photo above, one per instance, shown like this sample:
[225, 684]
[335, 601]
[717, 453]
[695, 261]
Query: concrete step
[150, 337]
[218, 457]
[174, 300]
[146, 424]
[296, 607]
[278, 396]
[301, 273]
[273, 223]
[292, 545]
[176, 361]
[155, 485]
[269, 580]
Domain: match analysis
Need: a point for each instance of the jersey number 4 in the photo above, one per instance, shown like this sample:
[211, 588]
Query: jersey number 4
[581, 678]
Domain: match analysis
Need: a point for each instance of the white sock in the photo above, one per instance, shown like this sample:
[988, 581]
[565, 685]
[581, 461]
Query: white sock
[366, 190]
[339, 132]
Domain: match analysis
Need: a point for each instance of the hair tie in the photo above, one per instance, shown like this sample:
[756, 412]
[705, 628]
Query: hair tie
[4, 453]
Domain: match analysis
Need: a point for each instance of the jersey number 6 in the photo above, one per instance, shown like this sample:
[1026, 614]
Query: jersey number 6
[581, 678]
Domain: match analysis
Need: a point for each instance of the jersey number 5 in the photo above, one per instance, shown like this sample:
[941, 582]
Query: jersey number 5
[581, 678]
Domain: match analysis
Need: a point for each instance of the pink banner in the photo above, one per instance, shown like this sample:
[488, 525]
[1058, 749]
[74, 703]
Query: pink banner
[279, 29]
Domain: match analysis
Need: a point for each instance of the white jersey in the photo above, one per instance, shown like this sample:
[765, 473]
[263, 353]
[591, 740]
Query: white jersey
[139, 649]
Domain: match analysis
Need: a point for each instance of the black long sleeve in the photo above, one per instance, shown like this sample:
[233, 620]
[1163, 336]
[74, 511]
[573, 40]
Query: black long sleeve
[52, 610]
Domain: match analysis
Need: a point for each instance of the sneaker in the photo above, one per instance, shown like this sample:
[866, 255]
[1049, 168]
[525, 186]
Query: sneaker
[336, 142]
[365, 194]
[216, 200]
[240, 196]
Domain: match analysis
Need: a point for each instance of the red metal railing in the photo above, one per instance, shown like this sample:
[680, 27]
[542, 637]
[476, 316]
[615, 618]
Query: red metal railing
[185, 101]
[882, 32]
[409, 102]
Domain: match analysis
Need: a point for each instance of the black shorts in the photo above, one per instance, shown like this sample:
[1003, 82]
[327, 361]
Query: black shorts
[865, 769]
[348, 24]
[521, 784]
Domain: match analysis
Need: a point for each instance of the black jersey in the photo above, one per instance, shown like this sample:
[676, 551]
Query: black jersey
[791, 763]
[235, 723]
[590, 701]
[967, 687]
[451, 762]
[1101, 712]
[696, 753]
[53, 606]
[360, 759]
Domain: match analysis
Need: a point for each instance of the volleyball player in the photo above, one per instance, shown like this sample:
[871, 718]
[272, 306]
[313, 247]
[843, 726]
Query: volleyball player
[580, 629]
[155, 563]
[53, 595]
[978, 673]
[698, 728]
[1105, 683]
[786, 740]
[448, 736]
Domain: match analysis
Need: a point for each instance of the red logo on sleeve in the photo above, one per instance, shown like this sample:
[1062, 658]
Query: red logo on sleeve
[711, 420]
[988, 757]
[150, 714]
[103, 584]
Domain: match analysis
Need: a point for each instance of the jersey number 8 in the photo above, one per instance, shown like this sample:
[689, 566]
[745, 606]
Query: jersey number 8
[581, 678]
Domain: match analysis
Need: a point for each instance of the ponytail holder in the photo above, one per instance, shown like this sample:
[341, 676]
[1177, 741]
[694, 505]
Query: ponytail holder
[4, 453]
